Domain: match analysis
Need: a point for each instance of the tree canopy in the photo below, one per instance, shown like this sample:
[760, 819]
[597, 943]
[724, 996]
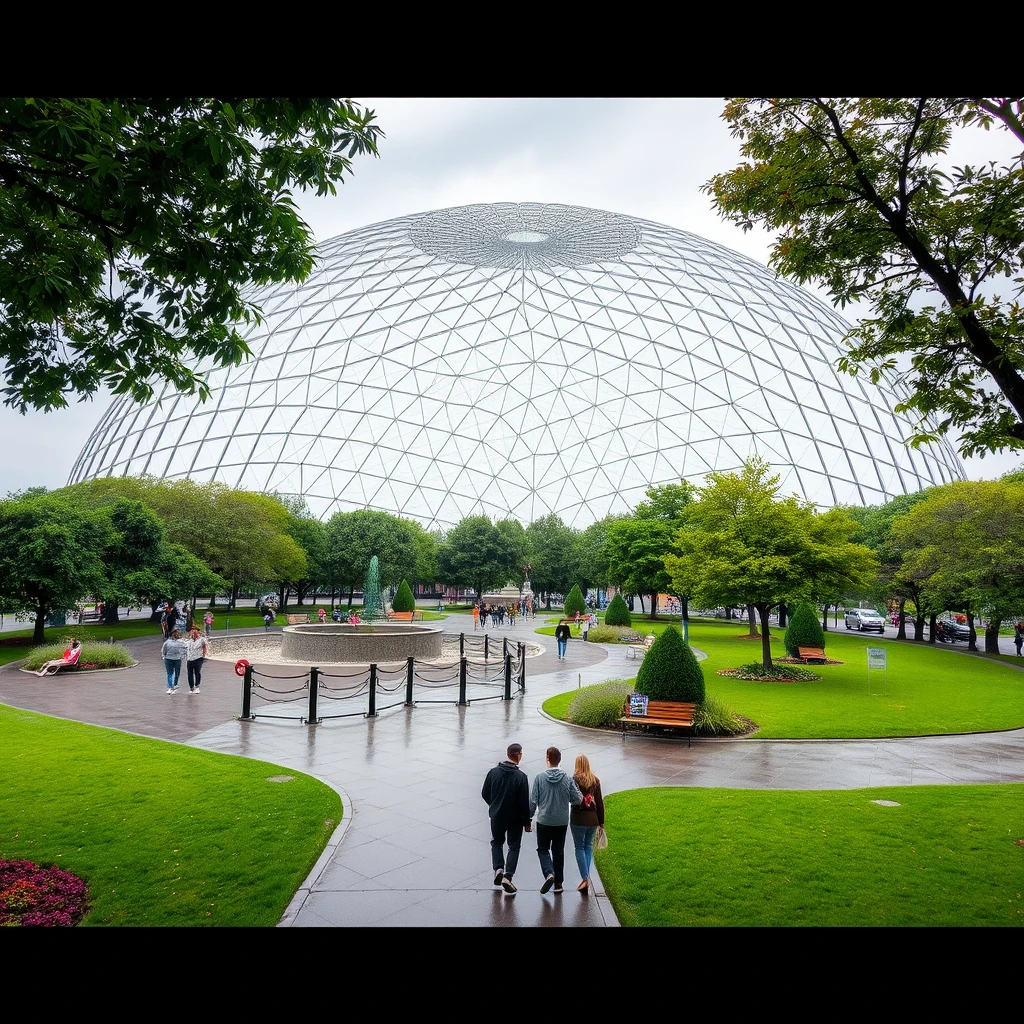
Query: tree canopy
[861, 201]
[130, 227]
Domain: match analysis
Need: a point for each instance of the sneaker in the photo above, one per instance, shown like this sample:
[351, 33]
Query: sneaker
[548, 882]
[508, 886]
[170, 689]
[191, 690]
[197, 689]
[558, 888]
[498, 876]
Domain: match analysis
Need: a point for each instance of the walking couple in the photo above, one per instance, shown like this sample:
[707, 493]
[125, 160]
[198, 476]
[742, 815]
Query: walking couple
[559, 801]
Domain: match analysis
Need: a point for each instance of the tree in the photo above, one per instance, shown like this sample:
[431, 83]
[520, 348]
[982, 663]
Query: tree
[552, 555]
[855, 190]
[637, 544]
[476, 554]
[129, 228]
[966, 542]
[745, 545]
[51, 551]
[353, 538]
[803, 630]
[671, 671]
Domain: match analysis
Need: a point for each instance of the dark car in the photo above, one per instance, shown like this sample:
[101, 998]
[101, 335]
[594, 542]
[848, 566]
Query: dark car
[951, 632]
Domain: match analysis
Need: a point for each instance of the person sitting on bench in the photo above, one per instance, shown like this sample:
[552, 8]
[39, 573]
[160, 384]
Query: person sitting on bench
[69, 660]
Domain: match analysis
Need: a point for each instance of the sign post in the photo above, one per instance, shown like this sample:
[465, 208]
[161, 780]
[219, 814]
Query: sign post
[876, 659]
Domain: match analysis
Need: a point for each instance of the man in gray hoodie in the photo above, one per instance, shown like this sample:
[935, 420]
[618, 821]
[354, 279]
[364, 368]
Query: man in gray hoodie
[551, 795]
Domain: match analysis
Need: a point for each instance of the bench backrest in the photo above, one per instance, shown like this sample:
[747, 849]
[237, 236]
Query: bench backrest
[406, 616]
[667, 709]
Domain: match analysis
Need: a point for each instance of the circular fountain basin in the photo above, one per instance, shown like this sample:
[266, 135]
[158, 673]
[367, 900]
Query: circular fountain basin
[364, 644]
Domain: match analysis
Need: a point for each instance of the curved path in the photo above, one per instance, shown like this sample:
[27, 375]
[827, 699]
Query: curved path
[412, 849]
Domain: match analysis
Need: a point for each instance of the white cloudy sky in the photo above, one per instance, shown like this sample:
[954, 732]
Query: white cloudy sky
[644, 157]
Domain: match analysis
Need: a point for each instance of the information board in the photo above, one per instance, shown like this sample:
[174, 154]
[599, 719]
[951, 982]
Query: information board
[637, 704]
[876, 657]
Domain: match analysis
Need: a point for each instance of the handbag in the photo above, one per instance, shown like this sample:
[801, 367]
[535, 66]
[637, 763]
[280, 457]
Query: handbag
[600, 838]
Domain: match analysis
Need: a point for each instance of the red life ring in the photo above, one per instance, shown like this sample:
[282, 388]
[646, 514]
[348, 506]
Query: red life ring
[240, 666]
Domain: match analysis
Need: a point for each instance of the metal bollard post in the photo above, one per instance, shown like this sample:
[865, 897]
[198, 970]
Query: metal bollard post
[372, 713]
[508, 677]
[314, 686]
[487, 647]
[408, 681]
[522, 667]
[247, 693]
[504, 646]
[462, 682]
[462, 645]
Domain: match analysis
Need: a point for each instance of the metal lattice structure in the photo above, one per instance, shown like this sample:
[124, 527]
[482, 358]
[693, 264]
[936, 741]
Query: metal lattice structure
[515, 360]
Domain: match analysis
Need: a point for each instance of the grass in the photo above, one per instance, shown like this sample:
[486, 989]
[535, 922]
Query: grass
[925, 690]
[163, 834]
[947, 856]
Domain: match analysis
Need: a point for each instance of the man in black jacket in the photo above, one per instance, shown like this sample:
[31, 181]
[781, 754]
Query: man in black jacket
[507, 792]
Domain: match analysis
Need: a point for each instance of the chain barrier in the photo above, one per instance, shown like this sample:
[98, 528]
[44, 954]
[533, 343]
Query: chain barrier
[511, 668]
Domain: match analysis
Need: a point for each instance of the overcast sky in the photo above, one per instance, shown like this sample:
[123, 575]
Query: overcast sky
[643, 157]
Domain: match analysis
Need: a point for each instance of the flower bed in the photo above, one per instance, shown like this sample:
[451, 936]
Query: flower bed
[42, 897]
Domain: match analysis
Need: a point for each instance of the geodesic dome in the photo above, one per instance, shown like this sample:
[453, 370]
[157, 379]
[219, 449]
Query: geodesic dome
[520, 359]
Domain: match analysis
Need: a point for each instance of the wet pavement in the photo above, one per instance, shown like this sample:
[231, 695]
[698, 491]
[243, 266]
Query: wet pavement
[413, 847]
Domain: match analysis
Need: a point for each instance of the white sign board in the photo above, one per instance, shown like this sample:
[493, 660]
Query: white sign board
[876, 657]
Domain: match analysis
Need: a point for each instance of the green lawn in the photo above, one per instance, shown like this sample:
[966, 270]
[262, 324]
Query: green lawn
[163, 834]
[946, 856]
[925, 690]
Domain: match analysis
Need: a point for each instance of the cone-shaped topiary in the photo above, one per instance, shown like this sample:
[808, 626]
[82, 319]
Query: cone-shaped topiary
[670, 670]
[617, 613]
[574, 601]
[404, 601]
[804, 630]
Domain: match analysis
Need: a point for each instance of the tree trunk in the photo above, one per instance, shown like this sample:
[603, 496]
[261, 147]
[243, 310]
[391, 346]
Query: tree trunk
[38, 631]
[824, 618]
[684, 604]
[931, 628]
[110, 616]
[783, 612]
[972, 641]
[751, 611]
[351, 591]
[992, 636]
[654, 604]
[901, 629]
[766, 637]
[919, 627]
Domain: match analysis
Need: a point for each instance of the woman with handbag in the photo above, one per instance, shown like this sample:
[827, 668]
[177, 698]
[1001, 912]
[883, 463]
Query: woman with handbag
[585, 819]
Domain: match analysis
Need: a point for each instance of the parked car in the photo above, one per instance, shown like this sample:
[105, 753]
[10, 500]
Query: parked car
[948, 632]
[864, 619]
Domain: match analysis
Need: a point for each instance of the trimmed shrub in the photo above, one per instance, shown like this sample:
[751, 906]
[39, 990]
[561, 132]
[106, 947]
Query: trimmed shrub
[574, 601]
[617, 614]
[670, 670]
[404, 600]
[804, 630]
[600, 704]
[607, 634]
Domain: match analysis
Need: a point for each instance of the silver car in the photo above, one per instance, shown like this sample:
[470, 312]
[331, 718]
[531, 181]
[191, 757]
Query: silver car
[865, 619]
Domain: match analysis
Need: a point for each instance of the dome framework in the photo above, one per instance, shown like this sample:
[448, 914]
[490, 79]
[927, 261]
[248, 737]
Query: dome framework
[516, 360]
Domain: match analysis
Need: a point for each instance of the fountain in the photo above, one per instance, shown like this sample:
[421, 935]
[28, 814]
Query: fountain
[329, 643]
[373, 606]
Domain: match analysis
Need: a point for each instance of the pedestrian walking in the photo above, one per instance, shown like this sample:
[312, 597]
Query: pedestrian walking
[506, 791]
[268, 618]
[551, 795]
[585, 819]
[562, 636]
[476, 617]
[586, 627]
[198, 651]
[174, 651]
[208, 622]
[1018, 637]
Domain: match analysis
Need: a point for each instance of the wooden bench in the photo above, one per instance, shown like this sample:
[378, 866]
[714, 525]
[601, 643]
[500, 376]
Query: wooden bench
[93, 616]
[404, 616]
[639, 649]
[665, 714]
[295, 618]
[812, 654]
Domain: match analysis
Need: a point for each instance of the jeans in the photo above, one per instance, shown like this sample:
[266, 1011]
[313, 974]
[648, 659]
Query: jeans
[551, 850]
[514, 835]
[583, 840]
[562, 644]
[173, 666]
[195, 672]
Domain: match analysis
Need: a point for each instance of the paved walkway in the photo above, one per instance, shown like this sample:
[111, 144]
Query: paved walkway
[412, 849]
